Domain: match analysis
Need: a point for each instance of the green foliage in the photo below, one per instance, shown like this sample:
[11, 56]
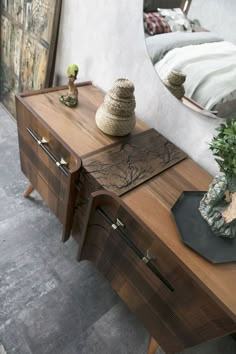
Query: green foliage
[223, 147]
[72, 70]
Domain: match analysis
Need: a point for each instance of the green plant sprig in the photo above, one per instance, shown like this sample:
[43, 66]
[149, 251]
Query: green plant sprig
[223, 147]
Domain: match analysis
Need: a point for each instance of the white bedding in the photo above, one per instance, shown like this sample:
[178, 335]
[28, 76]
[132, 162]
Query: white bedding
[210, 69]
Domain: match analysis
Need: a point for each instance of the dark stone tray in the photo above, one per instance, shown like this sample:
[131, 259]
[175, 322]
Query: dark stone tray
[196, 233]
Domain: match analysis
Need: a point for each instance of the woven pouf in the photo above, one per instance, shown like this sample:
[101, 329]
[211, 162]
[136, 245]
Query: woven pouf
[174, 83]
[177, 91]
[119, 106]
[116, 115]
[176, 78]
[123, 88]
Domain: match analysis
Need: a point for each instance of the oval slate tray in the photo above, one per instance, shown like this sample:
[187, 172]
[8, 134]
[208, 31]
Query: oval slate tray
[195, 232]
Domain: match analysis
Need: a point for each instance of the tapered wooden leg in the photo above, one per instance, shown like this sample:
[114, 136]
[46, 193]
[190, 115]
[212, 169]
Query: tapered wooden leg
[153, 346]
[28, 190]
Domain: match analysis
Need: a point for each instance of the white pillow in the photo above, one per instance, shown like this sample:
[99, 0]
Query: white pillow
[176, 19]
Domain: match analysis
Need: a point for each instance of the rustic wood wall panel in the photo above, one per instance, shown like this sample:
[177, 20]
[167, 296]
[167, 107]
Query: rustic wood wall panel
[28, 39]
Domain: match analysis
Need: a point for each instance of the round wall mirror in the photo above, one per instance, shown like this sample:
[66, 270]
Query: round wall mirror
[192, 46]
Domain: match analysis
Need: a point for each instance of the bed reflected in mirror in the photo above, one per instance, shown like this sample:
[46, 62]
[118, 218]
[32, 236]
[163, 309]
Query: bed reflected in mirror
[192, 46]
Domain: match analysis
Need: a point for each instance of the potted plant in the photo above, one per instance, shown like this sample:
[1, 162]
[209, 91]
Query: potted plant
[218, 206]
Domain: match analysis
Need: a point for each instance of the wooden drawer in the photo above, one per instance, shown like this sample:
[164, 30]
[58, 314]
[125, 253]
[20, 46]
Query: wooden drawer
[49, 196]
[85, 184]
[50, 166]
[43, 164]
[30, 126]
[172, 305]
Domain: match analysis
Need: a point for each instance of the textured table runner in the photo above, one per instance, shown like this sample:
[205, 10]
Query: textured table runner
[124, 165]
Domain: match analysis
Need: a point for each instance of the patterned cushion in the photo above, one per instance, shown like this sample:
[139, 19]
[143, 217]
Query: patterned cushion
[154, 23]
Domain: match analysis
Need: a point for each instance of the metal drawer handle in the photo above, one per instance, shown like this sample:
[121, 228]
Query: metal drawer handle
[148, 257]
[60, 164]
[117, 224]
[42, 141]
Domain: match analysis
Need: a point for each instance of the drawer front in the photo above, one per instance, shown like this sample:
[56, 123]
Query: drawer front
[172, 306]
[49, 165]
[85, 185]
[29, 124]
[46, 168]
[51, 199]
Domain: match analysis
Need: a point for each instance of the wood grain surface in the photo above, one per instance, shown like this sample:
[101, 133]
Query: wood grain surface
[74, 127]
[175, 309]
[153, 346]
[41, 163]
[152, 203]
[125, 165]
[73, 135]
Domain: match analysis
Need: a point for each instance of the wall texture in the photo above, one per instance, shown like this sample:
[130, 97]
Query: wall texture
[106, 39]
[216, 15]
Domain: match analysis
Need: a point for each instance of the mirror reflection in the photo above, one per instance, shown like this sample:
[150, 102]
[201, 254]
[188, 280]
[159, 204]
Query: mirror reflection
[192, 45]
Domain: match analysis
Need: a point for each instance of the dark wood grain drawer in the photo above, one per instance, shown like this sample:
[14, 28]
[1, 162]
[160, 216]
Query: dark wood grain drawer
[85, 185]
[51, 167]
[55, 203]
[29, 125]
[43, 164]
[171, 304]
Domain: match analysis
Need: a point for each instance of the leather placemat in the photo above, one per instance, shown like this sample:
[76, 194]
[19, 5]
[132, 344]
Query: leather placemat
[124, 165]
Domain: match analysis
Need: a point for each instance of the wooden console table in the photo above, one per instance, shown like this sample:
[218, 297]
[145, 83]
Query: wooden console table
[181, 298]
[52, 141]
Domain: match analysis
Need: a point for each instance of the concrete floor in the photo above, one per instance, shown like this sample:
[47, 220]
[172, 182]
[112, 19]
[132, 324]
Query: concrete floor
[49, 303]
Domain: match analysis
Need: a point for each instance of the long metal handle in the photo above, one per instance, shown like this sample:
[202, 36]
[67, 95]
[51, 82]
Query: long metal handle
[41, 143]
[145, 258]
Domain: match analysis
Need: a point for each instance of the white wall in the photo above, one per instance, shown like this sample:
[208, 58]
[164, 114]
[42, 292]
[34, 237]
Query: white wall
[216, 15]
[105, 38]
